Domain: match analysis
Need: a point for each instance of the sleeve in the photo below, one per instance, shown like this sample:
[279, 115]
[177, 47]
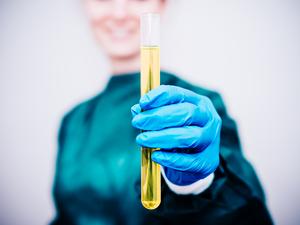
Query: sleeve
[194, 188]
[60, 217]
[235, 195]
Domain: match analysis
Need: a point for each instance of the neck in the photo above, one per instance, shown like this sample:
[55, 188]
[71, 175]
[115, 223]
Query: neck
[125, 65]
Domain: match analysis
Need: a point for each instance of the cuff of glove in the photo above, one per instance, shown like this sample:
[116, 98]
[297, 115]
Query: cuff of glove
[194, 188]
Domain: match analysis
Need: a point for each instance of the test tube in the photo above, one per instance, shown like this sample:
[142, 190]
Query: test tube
[150, 78]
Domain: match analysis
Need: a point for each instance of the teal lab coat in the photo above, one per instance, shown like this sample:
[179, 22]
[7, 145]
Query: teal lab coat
[97, 178]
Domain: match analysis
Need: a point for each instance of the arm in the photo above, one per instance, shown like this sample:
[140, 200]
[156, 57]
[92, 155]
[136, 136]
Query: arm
[235, 195]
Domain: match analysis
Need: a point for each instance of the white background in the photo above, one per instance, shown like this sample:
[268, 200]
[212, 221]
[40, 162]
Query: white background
[247, 50]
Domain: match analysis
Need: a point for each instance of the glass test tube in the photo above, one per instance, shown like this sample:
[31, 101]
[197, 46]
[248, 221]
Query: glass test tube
[150, 78]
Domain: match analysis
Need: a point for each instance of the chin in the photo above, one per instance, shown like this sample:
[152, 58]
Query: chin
[123, 55]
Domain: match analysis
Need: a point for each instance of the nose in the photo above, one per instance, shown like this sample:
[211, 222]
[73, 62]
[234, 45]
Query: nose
[120, 9]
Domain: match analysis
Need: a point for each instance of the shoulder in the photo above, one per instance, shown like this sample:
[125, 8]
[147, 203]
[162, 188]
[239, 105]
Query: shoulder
[82, 110]
[77, 117]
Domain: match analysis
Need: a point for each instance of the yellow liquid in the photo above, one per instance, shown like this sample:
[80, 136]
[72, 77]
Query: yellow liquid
[150, 171]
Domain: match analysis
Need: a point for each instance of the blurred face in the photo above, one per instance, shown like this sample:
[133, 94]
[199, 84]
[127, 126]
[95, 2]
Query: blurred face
[115, 23]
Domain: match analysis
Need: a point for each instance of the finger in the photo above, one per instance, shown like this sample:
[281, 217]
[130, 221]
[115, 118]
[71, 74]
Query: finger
[179, 137]
[135, 109]
[175, 115]
[166, 95]
[177, 161]
[202, 162]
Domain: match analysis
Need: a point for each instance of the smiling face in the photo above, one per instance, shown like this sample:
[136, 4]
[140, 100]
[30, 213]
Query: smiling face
[115, 24]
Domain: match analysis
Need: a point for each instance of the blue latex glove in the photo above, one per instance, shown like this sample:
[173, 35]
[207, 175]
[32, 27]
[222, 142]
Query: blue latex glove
[185, 126]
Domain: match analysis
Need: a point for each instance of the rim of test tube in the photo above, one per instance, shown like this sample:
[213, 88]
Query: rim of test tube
[150, 29]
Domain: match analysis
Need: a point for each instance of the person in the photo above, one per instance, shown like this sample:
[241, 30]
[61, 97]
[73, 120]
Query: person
[206, 179]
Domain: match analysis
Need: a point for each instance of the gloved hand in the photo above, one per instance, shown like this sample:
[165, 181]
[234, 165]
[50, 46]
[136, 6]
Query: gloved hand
[185, 126]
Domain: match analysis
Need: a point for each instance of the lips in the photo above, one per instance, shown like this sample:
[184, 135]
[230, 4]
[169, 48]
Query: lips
[120, 34]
